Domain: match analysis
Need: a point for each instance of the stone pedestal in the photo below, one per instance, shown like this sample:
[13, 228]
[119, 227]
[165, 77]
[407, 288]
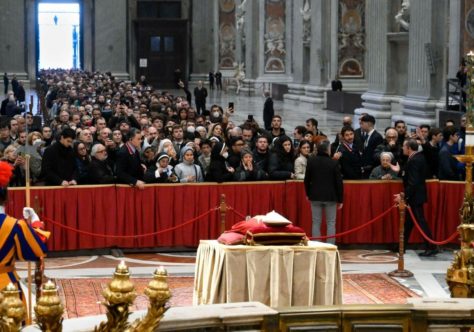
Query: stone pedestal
[295, 92]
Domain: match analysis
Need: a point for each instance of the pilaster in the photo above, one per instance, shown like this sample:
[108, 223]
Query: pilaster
[427, 38]
[111, 31]
[13, 50]
[376, 100]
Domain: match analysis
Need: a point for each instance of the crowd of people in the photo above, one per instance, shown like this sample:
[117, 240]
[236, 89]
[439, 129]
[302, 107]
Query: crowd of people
[99, 130]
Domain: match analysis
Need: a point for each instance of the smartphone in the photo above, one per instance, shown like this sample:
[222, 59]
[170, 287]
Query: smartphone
[413, 130]
[231, 105]
[250, 118]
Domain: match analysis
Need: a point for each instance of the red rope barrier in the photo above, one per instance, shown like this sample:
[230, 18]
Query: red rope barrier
[438, 243]
[230, 208]
[130, 236]
[379, 217]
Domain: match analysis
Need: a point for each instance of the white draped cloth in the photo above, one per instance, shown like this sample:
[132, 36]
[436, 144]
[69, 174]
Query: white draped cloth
[278, 276]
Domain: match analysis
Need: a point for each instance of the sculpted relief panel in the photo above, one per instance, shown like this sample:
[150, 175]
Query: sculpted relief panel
[227, 34]
[274, 36]
[351, 38]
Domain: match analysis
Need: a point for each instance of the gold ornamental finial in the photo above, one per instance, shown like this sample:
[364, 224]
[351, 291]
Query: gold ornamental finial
[158, 293]
[14, 310]
[119, 295]
[48, 309]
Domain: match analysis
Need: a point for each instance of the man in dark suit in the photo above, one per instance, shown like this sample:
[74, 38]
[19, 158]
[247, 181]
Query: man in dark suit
[372, 139]
[129, 167]
[348, 155]
[200, 95]
[58, 164]
[323, 186]
[448, 165]
[359, 134]
[268, 111]
[415, 193]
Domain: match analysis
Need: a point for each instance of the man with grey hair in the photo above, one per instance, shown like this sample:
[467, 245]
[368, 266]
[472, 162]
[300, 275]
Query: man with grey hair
[99, 170]
[323, 186]
[390, 144]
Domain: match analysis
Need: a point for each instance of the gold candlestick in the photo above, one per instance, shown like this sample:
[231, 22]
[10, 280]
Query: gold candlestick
[460, 275]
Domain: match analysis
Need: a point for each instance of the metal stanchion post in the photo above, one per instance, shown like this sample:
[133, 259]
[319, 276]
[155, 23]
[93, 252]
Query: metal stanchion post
[223, 210]
[400, 271]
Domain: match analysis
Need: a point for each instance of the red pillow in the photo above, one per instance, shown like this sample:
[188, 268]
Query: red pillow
[243, 226]
[230, 238]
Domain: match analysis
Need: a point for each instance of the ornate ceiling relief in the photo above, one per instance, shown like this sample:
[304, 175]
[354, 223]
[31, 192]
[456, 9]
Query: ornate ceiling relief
[351, 38]
[274, 36]
[227, 33]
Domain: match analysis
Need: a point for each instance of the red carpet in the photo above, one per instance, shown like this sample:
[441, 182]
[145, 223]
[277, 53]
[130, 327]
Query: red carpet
[82, 297]
[372, 288]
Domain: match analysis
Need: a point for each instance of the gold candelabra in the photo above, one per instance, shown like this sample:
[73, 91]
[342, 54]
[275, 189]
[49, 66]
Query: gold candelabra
[119, 296]
[460, 275]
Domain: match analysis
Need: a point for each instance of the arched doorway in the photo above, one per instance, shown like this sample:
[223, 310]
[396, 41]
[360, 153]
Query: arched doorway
[59, 34]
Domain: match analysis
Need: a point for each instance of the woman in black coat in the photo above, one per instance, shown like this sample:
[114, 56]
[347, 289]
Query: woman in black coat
[219, 169]
[248, 170]
[281, 164]
[82, 160]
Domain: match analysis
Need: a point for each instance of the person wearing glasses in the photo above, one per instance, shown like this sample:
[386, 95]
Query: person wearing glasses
[99, 170]
[390, 144]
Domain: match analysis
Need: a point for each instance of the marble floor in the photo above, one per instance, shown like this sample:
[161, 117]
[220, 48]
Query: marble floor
[428, 280]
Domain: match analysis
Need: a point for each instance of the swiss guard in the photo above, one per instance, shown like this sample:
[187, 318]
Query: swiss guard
[19, 239]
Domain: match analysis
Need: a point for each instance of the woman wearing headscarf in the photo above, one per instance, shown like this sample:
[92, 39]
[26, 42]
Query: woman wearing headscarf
[248, 170]
[161, 172]
[281, 162]
[167, 147]
[385, 171]
[219, 169]
[187, 170]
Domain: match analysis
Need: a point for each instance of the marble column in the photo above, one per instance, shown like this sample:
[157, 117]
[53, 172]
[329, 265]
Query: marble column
[427, 38]
[319, 52]
[88, 34]
[111, 37]
[296, 88]
[455, 55]
[251, 48]
[204, 38]
[13, 44]
[377, 100]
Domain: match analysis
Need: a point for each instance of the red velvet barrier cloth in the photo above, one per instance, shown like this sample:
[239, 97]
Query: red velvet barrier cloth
[121, 210]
